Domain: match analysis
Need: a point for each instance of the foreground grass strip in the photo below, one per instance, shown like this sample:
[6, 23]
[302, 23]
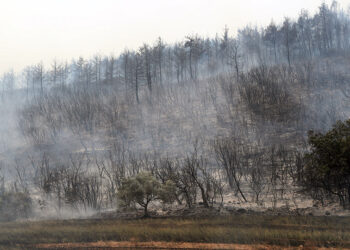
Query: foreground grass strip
[161, 245]
[239, 229]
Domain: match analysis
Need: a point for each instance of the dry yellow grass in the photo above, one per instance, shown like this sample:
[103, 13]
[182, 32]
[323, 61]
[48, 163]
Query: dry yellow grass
[167, 245]
[284, 231]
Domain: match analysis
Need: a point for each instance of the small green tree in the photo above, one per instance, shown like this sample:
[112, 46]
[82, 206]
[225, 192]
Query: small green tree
[142, 189]
[327, 165]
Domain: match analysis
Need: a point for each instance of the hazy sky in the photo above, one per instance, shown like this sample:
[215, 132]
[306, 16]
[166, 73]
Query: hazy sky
[41, 30]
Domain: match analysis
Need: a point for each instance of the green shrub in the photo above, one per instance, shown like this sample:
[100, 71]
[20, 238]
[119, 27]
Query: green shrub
[143, 189]
[327, 167]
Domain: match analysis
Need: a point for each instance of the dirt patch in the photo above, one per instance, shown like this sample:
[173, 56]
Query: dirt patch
[163, 245]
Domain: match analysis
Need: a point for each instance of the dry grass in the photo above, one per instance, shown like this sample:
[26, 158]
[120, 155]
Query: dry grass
[168, 245]
[239, 229]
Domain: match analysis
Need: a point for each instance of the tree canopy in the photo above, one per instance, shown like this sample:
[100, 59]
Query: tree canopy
[327, 165]
[143, 189]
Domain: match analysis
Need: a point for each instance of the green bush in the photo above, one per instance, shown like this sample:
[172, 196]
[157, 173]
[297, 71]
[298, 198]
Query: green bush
[142, 189]
[327, 165]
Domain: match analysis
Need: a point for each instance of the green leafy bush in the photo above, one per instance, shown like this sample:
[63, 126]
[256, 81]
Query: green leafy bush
[327, 165]
[142, 189]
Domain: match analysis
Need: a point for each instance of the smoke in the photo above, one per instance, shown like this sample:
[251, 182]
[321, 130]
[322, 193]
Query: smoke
[72, 133]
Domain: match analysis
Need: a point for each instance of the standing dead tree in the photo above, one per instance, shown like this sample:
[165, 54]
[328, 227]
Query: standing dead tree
[229, 156]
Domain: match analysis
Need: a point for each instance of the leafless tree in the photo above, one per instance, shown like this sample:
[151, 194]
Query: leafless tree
[229, 156]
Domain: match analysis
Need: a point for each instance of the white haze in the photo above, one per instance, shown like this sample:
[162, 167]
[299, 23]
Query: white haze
[41, 30]
[44, 30]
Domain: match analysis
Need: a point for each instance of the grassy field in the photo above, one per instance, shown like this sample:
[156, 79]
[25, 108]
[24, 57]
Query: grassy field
[239, 229]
